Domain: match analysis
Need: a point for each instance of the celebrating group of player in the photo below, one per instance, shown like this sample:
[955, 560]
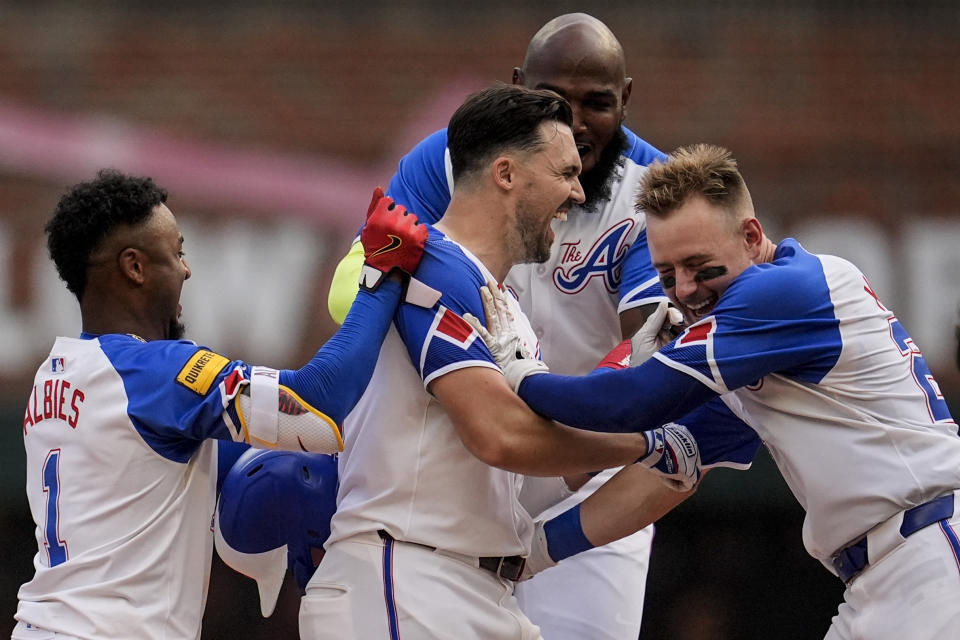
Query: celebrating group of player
[481, 491]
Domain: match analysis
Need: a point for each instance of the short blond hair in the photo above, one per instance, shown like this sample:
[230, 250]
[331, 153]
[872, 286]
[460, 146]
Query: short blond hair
[696, 170]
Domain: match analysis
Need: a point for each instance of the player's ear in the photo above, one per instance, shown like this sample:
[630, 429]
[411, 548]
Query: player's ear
[518, 76]
[132, 263]
[503, 172]
[752, 236]
[625, 97]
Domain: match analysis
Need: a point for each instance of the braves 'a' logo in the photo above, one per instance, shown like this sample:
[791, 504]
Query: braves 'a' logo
[604, 260]
[394, 243]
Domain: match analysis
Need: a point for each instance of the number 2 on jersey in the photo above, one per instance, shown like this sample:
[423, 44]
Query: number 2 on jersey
[936, 405]
[56, 548]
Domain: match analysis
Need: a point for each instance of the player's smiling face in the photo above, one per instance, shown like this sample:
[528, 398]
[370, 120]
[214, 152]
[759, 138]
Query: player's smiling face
[548, 187]
[168, 269]
[698, 249]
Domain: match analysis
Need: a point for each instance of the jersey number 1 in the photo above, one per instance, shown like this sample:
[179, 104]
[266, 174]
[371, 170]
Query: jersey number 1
[56, 548]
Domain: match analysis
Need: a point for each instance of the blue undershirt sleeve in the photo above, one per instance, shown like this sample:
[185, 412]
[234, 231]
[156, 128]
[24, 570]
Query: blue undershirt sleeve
[616, 401]
[337, 375]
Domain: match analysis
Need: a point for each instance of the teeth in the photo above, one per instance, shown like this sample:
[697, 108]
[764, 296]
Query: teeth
[697, 307]
[562, 216]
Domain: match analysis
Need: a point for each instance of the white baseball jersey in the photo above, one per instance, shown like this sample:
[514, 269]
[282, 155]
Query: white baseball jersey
[599, 266]
[121, 483]
[835, 386]
[827, 375]
[404, 469]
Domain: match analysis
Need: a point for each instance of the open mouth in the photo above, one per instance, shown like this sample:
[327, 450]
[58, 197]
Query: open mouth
[583, 148]
[701, 309]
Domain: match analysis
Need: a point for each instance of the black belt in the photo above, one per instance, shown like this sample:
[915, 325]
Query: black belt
[850, 561]
[509, 567]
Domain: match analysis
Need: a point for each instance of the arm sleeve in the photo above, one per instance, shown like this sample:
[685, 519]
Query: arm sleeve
[755, 330]
[337, 375]
[616, 401]
[423, 182]
[346, 278]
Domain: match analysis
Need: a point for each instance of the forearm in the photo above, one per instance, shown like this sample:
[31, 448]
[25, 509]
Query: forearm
[631, 500]
[628, 502]
[337, 375]
[539, 447]
[498, 428]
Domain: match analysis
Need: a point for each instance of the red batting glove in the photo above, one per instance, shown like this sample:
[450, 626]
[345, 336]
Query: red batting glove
[393, 238]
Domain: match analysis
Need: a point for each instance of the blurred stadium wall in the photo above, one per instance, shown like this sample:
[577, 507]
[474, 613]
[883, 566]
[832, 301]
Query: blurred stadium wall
[271, 125]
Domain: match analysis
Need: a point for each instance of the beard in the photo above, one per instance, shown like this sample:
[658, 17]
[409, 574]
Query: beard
[533, 238]
[597, 184]
[176, 330]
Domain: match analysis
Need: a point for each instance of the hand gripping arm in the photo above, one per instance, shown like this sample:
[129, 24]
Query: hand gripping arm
[672, 453]
[393, 239]
[656, 333]
[501, 337]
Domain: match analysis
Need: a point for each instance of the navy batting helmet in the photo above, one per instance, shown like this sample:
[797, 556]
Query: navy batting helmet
[274, 508]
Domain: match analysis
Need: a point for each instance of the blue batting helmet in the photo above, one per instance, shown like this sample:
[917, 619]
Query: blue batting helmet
[274, 508]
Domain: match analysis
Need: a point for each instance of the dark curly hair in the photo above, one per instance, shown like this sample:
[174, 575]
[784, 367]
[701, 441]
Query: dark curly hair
[88, 212]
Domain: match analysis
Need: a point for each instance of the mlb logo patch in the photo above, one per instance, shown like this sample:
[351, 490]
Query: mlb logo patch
[57, 365]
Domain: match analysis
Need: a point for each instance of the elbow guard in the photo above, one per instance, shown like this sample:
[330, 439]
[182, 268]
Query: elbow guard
[274, 417]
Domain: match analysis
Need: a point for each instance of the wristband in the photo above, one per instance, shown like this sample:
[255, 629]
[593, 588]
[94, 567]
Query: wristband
[565, 535]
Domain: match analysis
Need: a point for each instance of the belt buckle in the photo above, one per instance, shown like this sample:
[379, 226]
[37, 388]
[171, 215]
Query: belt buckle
[511, 567]
[850, 561]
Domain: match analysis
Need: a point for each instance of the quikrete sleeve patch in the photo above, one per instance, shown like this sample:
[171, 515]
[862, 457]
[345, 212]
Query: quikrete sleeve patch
[201, 370]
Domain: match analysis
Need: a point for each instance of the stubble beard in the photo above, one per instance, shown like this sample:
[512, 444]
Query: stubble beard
[534, 243]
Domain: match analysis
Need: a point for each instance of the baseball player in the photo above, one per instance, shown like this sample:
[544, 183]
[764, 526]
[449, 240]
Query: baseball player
[428, 508]
[595, 290]
[804, 351]
[121, 425]
[429, 534]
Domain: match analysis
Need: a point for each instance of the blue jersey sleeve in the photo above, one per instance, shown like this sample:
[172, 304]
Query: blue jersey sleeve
[439, 340]
[420, 183]
[641, 151]
[177, 392]
[640, 283]
[724, 439]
